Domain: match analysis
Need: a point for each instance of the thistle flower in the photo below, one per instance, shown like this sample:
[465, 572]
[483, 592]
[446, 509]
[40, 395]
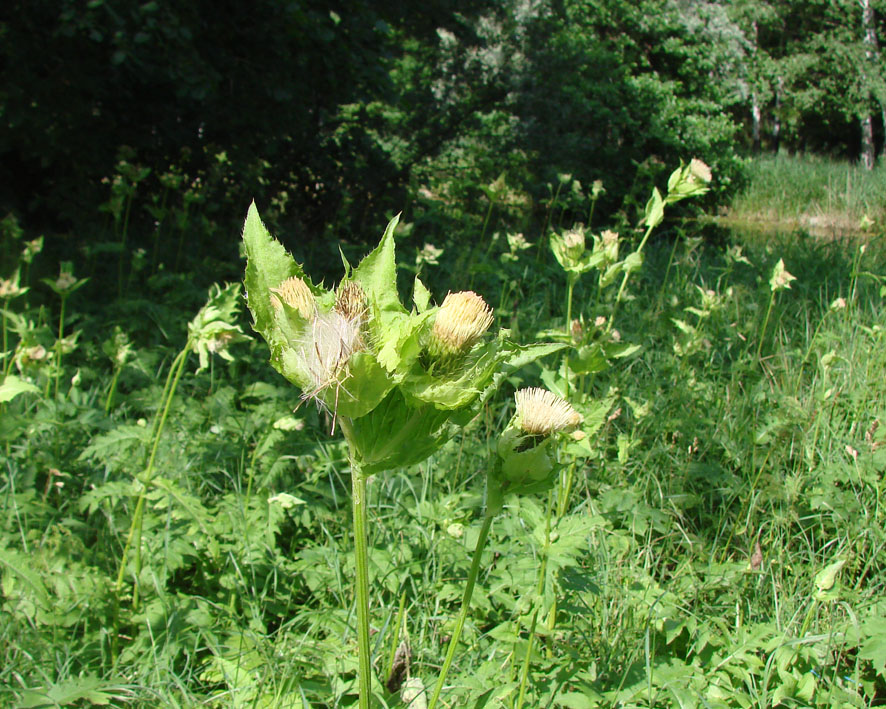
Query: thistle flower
[780, 278]
[569, 250]
[461, 321]
[527, 447]
[541, 413]
[688, 181]
[296, 294]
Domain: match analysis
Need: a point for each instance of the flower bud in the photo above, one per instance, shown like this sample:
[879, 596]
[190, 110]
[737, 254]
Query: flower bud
[296, 294]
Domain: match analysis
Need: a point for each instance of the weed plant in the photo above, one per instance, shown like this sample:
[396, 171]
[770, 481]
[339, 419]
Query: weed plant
[715, 539]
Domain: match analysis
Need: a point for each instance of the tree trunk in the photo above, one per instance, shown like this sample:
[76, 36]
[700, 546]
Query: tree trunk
[883, 117]
[776, 117]
[755, 121]
[867, 142]
[871, 53]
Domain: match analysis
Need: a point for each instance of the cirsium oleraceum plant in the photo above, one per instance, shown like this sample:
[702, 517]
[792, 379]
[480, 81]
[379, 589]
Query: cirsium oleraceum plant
[395, 380]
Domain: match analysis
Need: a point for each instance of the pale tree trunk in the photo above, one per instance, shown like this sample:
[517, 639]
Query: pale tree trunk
[867, 142]
[756, 113]
[871, 53]
[776, 120]
[883, 118]
[755, 120]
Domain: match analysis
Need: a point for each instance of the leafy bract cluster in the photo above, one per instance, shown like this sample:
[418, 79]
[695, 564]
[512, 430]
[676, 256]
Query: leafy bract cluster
[382, 370]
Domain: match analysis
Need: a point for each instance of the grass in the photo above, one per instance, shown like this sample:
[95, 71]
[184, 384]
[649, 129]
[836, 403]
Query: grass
[721, 544]
[824, 196]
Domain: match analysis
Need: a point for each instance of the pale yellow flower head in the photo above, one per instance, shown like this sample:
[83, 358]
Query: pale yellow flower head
[327, 346]
[296, 294]
[542, 413]
[461, 321]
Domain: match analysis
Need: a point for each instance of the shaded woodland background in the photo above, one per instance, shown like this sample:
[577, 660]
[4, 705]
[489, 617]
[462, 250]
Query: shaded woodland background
[153, 124]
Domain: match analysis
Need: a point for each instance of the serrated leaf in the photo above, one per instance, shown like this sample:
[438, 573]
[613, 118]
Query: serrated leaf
[421, 296]
[874, 648]
[377, 272]
[268, 264]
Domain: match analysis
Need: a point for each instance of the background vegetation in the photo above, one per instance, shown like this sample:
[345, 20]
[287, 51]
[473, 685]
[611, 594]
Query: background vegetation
[722, 543]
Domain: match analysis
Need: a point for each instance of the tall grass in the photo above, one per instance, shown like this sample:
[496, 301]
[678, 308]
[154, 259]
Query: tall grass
[821, 194]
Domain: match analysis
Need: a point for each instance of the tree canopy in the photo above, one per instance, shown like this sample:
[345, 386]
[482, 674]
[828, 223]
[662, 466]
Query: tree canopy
[336, 114]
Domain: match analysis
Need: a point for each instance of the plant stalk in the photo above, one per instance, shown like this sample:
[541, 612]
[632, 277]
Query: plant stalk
[624, 280]
[358, 502]
[465, 605]
[765, 324]
[361, 562]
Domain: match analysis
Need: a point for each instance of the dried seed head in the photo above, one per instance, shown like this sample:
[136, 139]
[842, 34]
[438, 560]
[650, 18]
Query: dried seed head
[326, 349]
[461, 321]
[296, 294]
[542, 413]
[351, 301]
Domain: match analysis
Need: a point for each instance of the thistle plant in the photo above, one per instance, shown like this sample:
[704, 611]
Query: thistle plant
[63, 287]
[211, 331]
[525, 462]
[780, 279]
[395, 382]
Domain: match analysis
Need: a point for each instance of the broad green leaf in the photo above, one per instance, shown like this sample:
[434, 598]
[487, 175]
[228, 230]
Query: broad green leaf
[874, 648]
[421, 296]
[12, 386]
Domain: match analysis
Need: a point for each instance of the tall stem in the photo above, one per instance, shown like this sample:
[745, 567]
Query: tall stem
[135, 528]
[58, 345]
[765, 324]
[361, 562]
[465, 605]
[539, 591]
[358, 502]
[624, 280]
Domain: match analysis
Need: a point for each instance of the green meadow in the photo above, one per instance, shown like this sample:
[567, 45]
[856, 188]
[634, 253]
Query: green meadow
[177, 521]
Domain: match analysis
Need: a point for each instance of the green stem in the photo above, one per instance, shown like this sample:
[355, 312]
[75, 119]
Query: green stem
[539, 590]
[544, 229]
[624, 280]
[765, 324]
[571, 280]
[524, 675]
[358, 502]
[123, 236]
[361, 561]
[465, 605]
[134, 536]
[58, 345]
[664, 282]
[112, 390]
